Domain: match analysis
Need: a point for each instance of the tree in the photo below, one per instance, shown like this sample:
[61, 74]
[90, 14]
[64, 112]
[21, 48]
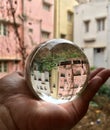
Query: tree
[22, 47]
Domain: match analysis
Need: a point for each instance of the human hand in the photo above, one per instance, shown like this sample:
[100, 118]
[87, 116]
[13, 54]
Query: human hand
[20, 110]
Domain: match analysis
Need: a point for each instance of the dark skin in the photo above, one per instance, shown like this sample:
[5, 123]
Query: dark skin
[20, 110]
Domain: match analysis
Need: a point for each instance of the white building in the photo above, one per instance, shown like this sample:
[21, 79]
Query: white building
[92, 31]
[40, 82]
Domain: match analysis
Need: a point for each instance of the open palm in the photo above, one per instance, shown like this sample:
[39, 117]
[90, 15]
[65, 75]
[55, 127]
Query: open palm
[20, 110]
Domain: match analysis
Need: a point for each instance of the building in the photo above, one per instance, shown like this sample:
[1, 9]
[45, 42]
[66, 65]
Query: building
[68, 78]
[39, 21]
[40, 82]
[64, 14]
[23, 25]
[63, 82]
[82, 1]
[92, 31]
[9, 54]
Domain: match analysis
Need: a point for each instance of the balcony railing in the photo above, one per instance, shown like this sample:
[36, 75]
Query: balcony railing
[10, 20]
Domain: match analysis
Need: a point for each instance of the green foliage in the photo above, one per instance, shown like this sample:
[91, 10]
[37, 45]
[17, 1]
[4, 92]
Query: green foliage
[52, 60]
[104, 90]
[92, 68]
[94, 104]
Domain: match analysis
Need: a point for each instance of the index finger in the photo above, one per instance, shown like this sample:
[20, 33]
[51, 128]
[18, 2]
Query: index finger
[95, 72]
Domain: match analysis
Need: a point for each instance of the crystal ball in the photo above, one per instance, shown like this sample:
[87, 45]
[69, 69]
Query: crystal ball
[57, 71]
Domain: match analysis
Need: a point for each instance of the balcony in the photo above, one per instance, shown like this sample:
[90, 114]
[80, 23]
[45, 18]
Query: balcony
[11, 21]
[89, 39]
[10, 58]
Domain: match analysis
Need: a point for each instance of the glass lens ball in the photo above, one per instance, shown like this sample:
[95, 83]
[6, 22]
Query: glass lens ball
[57, 71]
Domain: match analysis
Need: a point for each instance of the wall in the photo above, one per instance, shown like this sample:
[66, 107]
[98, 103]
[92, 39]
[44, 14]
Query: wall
[62, 25]
[38, 19]
[9, 45]
[93, 39]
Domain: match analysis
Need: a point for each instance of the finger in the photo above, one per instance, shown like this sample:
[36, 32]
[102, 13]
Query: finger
[95, 83]
[94, 72]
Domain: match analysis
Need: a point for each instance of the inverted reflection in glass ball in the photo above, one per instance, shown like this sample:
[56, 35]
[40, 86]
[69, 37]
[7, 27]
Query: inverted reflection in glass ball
[58, 71]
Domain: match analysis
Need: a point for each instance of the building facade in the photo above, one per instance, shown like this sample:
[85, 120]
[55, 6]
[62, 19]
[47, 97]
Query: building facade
[23, 25]
[39, 21]
[83, 1]
[9, 43]
[63, 27]
[92, 31]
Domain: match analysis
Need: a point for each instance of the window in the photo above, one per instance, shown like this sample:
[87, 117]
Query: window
[70, 16]
[101, 24]
[77, 62]
[3, 29]
[62, 87]
[86, 24]
[45, 88]
[3, 66]
[41, 87]
[46, 80]
[62, 75]
[99, 50]
[54, 86]
[46, 6]
[45, 34]
[30, 30]
[39, 79]
[63, 36]
[15, 2]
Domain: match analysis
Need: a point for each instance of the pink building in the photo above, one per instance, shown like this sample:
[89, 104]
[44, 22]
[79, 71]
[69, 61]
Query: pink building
[71, 78]
[39, 23]
[34, 23]
[9, 54]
